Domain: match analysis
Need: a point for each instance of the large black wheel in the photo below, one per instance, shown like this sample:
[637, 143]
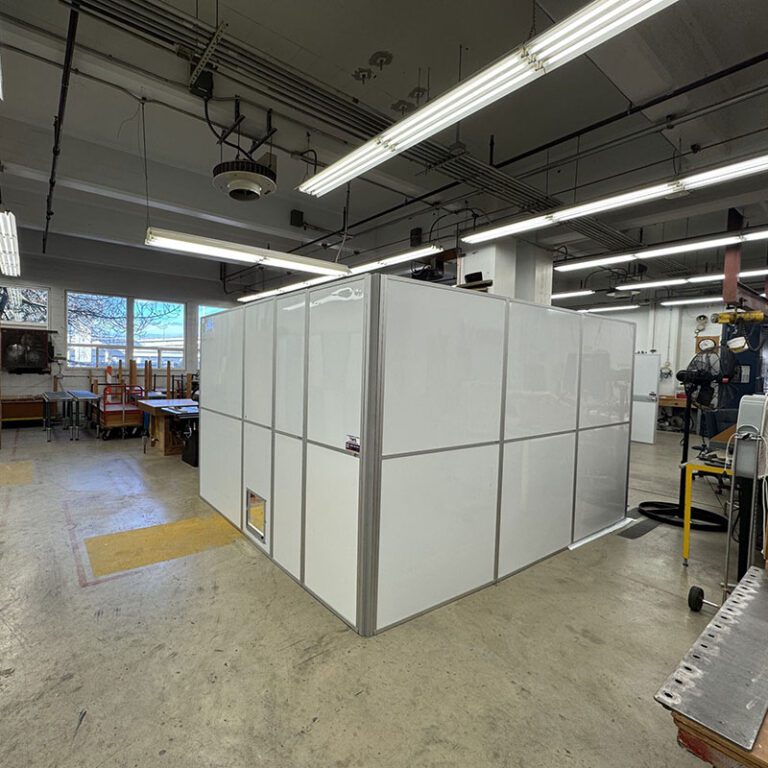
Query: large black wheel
[695, 599]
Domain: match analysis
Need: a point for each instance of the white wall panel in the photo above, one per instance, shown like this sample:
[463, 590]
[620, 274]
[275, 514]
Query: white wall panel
[257, 472]
[289, 363]
[259, 338]
[221, 355]
[336, 327]
[438, 529]
[606, 371]
[601, 477]
[286, 504]
[220, 468]
[330, 557]
[442, 367]
[542, 371]
[536, 500]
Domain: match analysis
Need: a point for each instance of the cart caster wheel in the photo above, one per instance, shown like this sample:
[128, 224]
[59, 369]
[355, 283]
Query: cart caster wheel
[695, 599]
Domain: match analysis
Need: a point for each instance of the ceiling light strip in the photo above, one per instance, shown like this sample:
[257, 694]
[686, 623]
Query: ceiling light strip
[222, 250]
[720, 175]
[10, 263]
[570, 295]
[681, 302]
[718, 241]
[616, 308]
[371, 266]
[581, 32]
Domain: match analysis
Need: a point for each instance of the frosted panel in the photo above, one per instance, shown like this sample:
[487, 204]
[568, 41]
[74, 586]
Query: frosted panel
[443, 367]
[221, 362]
[220, 483]
[257, 472]
[601, 477]
[606, 371]
[289, 362]
[286, 505]
[542, 371]
[259, 332]
[330, 558]
[536, 500]
[438, 528]
[336, 325]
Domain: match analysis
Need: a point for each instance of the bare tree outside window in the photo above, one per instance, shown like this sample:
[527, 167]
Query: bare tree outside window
[24, 306]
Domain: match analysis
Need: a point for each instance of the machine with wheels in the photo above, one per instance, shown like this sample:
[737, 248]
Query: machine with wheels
[749, 462]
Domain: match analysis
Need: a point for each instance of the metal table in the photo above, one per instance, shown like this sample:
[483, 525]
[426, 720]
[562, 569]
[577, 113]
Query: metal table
[53, 399]
[80, 396]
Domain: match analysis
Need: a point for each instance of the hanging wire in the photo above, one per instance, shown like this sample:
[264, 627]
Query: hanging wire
[532, 30]
[144, 157]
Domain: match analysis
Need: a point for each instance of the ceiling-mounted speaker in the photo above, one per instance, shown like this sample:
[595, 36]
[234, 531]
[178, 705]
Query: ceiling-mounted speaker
[245, 180]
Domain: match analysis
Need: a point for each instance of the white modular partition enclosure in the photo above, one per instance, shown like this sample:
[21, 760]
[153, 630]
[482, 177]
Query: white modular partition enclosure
[411, 443]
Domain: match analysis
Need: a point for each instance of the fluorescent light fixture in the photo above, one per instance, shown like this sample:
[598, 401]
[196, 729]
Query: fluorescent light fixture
[700, 244]
[713, 278]
[754, 273]
[358, 270]
[570, 295]
[681, 302]
[652, 284]
[603, 261]
[222, 250]
[597, 22]
[720, 175]
[611, 309]
[10, 264]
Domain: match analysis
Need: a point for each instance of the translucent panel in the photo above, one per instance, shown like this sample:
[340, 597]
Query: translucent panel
[95, 319]
[221, 371]
[220, 476]
[601, 479]
[542, 371]
[608, 349]
[289, 362]
[24, 306]
[438, 529]
[158, 324]
[330, 569]
[536, 500]
[443, 366]
[336, 324]
[287, 504]
[259, 340]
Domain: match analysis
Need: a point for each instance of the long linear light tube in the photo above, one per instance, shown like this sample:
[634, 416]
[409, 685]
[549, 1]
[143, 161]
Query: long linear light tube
[719, 241]
[370, 266]
[714, 278]
[581, 32]
[570, 295]
[720, 175]
[10, 263]
[681, 302]
[616, 308]
[222, 250]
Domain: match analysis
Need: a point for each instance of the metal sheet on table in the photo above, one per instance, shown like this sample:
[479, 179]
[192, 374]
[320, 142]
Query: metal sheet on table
[722, 682]
[83, 394]
[56, 397]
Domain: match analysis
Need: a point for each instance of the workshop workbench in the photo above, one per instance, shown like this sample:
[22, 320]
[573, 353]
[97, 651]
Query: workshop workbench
[159, 431]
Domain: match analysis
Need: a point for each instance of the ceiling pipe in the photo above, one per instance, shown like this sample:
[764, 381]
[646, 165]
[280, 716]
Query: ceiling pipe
[58, 122]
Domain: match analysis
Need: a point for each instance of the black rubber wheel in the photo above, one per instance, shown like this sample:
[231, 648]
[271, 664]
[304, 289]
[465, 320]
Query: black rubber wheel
[695, 599]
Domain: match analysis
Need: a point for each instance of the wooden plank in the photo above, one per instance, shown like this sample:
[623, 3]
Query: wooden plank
[756, 758]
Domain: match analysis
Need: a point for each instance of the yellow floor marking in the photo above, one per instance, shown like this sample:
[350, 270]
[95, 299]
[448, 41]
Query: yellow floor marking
[17, 473]
[127, 550]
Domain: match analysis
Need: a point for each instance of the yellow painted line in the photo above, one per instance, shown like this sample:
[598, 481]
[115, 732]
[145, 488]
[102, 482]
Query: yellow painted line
[126, 550]
[17, 473]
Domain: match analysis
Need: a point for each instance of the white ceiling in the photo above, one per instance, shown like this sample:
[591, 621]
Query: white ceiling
[101, 190]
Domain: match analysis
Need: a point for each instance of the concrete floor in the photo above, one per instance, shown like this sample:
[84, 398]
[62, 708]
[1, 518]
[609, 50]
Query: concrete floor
[220, 660]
